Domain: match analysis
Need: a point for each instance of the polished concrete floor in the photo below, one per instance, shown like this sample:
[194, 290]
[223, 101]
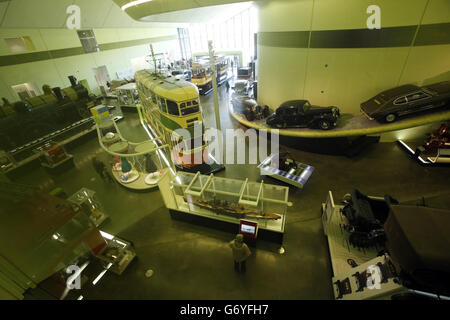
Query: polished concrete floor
[193, 262]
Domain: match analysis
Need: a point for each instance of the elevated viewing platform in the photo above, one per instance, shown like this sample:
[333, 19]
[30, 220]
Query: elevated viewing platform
[348, 125]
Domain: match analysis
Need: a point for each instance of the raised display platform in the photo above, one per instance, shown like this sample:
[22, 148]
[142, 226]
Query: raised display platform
[348, 125]
[226, 226]
[139, 184]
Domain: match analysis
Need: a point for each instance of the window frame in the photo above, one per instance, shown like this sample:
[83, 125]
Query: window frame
[174, 103]
[396, 103]
[161, 105]
[426, 95]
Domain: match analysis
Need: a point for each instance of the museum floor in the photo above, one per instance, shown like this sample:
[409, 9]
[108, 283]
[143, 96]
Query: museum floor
[193, 262]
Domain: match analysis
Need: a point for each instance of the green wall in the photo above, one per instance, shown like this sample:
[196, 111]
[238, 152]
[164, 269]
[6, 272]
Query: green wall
[59, 54]
[321, 50]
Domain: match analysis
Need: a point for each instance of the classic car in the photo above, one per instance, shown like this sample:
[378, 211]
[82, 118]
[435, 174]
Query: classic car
[242, 87]
[394, 103]
[249, 107]
[300, 113]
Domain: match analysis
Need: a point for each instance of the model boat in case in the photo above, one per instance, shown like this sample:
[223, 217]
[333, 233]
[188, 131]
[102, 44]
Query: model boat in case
[235, 210]
[223, 203]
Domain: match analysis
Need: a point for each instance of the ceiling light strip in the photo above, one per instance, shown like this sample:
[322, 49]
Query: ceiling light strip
[134, 3]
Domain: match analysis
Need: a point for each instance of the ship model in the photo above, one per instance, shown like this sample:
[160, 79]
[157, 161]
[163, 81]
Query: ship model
[234, 210]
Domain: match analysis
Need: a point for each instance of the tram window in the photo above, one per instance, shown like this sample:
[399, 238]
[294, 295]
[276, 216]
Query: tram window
[153, 97]
[172, 108]
[189, 107]
[162, 104]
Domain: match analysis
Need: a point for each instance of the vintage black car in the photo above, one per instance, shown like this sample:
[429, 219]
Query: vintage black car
[300, 113]
[394, 103]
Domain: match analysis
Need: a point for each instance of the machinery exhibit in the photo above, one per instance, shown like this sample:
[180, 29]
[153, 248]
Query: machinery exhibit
[306, 143]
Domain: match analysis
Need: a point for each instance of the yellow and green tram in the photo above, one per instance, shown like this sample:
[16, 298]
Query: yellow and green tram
[222, 67]
[202, 76]
[169, 104]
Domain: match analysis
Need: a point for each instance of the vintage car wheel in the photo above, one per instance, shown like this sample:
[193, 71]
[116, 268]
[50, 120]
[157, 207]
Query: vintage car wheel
[390, 117]
[324, 124]
[250, 116]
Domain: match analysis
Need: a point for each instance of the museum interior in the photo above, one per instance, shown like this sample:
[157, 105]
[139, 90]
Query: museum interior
[124, 125]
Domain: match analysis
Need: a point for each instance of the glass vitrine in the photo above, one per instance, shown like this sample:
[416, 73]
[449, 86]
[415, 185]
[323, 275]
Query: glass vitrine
[228, 200]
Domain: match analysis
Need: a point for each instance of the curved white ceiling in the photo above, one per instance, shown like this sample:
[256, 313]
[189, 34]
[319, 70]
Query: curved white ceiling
[184, 11]
[52, 14]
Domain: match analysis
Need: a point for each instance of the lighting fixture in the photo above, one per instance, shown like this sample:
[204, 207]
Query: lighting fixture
[134, 3]
[101, 274]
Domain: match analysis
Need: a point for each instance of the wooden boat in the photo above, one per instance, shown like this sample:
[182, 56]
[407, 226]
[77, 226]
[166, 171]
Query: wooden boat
[234, 210]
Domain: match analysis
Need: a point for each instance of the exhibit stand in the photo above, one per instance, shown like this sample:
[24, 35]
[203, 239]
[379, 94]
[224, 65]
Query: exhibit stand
[350, 282]
[87, 199]
[347, 126]
[351, 135]
[223, 203]
[290, 171]
[434, 151]
[137, 166]
[127, 97]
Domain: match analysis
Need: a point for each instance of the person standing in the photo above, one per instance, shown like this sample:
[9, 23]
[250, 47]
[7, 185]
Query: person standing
[240, 253]
[227, 85]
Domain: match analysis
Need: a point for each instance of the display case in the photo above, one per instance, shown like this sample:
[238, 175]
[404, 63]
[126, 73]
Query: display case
[135, 165]
[52, 155]
[117, 255]
[280, 167]
[227, 200]
[127, 96]
[88, 200]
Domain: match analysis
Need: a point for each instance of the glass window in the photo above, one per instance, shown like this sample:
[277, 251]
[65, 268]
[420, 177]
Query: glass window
[172, 108]
[416, 96]
[306, 106]
[189, 107]
[153, 97]
[162, 104]
[400, 100]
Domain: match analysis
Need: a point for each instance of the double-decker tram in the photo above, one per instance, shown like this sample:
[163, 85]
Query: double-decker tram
[169, 104]
[202, 72]
[222, 67]
[202, 76]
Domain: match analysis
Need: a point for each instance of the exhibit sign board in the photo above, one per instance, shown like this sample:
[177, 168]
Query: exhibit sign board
[248, 228]
[100, 113]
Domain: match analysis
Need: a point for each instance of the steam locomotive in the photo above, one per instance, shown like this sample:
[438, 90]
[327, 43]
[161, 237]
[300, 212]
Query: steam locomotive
[25, 124]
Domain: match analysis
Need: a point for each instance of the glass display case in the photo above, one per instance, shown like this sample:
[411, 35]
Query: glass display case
[88, 200]
[52, 155]
[117, 255]
[279, 166]
[227, 200]
[127, 96]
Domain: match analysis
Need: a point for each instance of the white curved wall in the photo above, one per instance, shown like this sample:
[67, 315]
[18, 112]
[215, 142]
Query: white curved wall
[346, 76]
